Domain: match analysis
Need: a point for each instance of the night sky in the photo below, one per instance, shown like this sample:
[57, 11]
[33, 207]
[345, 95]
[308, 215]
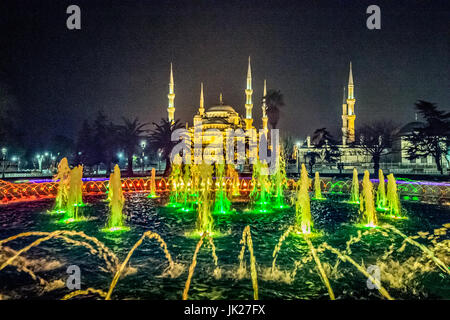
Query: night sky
[120, 59]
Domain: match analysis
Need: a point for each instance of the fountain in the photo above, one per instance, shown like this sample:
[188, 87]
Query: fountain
[393, 201]
[381, 192]
[109, 190]
[317, 188]
[115, 220]
[186, 190]
[175, 181]
[260, 194]
[308, 267]
[302, 205]
[217, 271]
[174, 269]
[235, 185]
[246, 241]
[221, 205]
[62, 195]
[75, 195]
[354, 193]
[205, 220]
[367, 206]
[152, 193]
[279, 184]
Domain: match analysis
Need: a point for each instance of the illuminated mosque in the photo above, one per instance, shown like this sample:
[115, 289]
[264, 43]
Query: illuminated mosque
[221, 117]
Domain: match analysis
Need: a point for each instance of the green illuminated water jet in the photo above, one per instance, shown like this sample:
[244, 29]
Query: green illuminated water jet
[260, 194]
[204, 224]
[221, 205]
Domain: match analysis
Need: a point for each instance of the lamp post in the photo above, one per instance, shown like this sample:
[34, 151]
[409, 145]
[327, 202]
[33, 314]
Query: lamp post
[14, 159]
[39, 158]
[4, 152]
[143, 145]
[298, 156]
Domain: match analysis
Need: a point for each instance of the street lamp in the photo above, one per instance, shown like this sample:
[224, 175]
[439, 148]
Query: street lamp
[297, 145]
[4, 152]
[14, 159]
[39, 158]
[143, 145]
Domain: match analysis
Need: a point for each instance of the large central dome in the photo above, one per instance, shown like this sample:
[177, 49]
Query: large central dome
[221, 108]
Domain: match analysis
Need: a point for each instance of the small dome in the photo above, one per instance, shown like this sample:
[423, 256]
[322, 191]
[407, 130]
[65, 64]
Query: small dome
[409, 127]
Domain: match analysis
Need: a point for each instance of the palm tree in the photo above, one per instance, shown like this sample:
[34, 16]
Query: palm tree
[161, 139]
[274, 100]
[326, 145]
[130, 133]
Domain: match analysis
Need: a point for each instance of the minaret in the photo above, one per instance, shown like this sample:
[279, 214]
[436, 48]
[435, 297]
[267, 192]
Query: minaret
[351, 107]
[264, 108]
[201, 109]
[344, 120]
[171, 96]
[248, 99]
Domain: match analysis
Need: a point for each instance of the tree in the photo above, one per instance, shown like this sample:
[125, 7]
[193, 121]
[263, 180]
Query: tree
[325, 142]
[275, 101]
[287, 147]
[12, 132]
[130, 134]
[376, 139]
[431, 139]
[311, 158]
[161, 139]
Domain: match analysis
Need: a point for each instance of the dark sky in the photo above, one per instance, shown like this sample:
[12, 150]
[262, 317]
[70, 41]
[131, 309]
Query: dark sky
[119, 60]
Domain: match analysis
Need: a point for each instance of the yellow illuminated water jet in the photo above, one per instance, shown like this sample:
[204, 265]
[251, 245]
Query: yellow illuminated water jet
[367, 206]
[354, 193]
[75, 195]
[62, 195]
[381, 192]
[393, 201]
[117, 201]
[246, 241]
[317, 188]
[302, 205]
[152, 193]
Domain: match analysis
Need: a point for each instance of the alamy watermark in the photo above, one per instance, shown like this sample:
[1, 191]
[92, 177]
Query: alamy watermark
[374, 20]
[375, 272]
[73, 22]
[74, 280]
